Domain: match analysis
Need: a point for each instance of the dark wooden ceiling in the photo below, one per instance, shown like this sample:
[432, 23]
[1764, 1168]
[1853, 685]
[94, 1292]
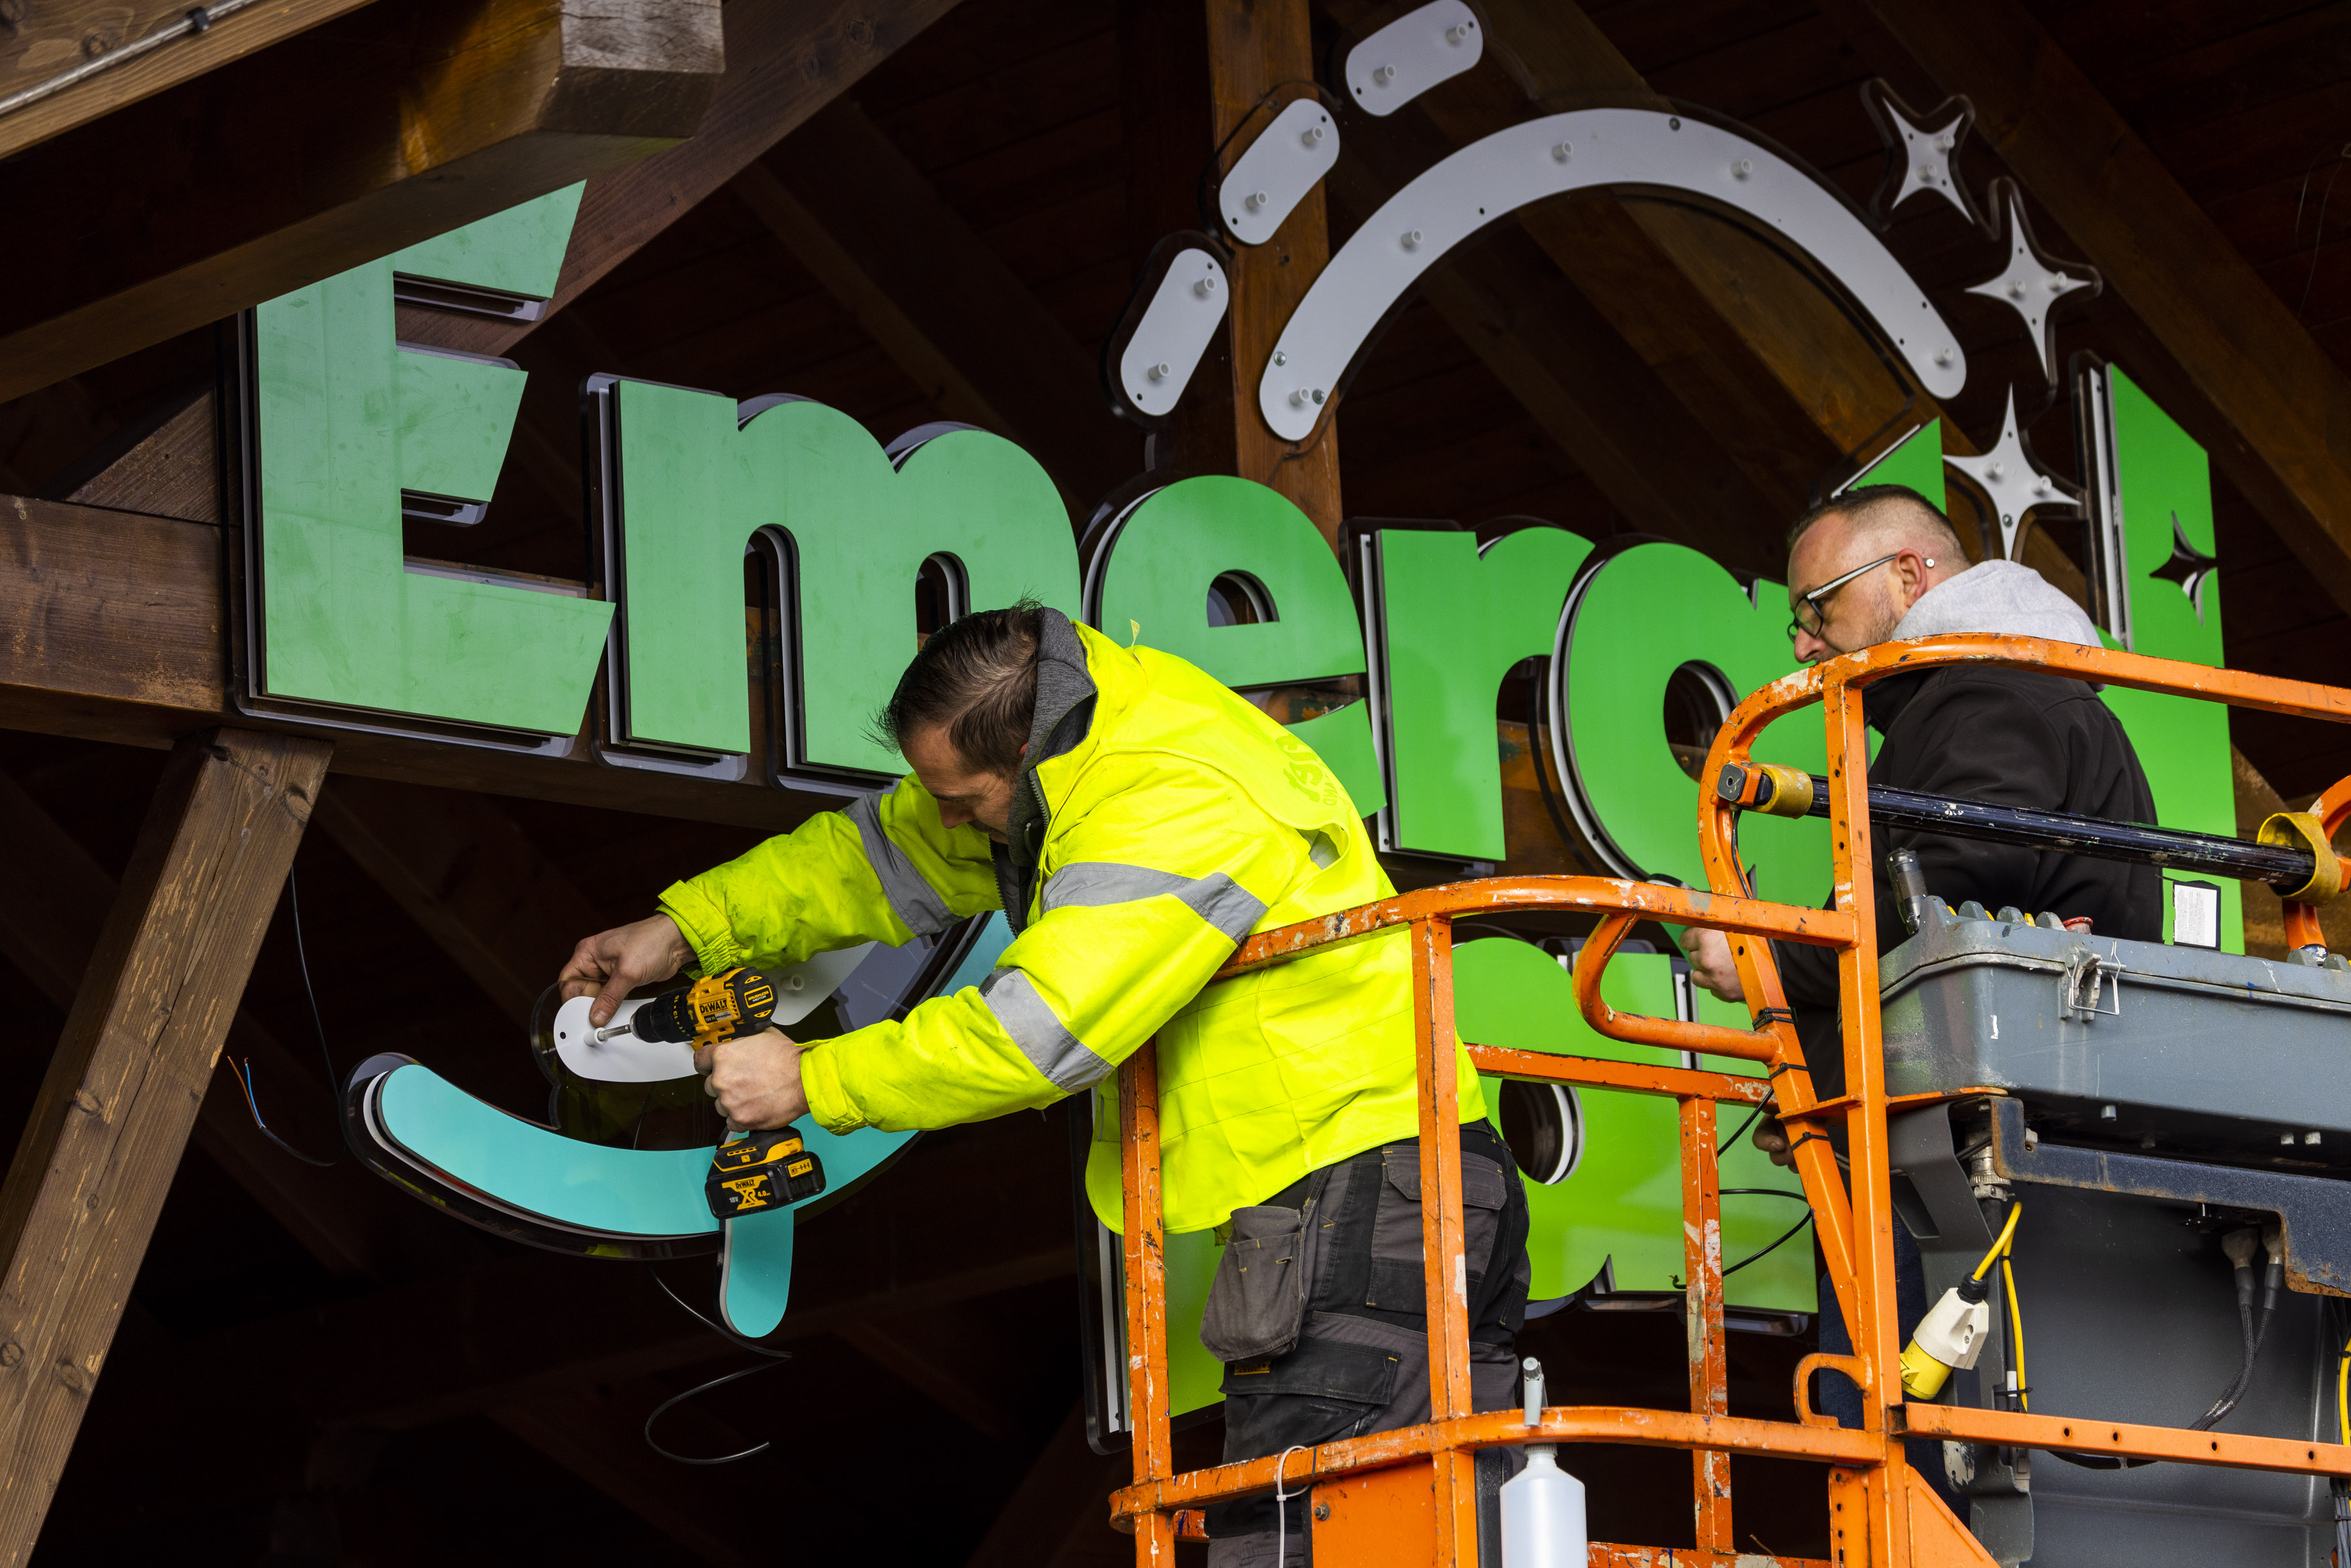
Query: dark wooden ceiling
[1010, 110]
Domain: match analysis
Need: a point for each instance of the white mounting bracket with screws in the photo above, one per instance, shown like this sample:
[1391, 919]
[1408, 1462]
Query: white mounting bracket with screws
[1412, 54]
[1280, 167]
[1175, 329]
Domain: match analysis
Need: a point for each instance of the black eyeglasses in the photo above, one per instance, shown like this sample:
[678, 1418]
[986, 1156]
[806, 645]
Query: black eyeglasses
[1809, 617]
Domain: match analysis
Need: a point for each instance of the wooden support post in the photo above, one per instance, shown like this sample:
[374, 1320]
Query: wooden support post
[123, 1089]
[1173, 67]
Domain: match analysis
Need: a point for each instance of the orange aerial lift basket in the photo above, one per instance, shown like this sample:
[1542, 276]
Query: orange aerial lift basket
[1408, 1497]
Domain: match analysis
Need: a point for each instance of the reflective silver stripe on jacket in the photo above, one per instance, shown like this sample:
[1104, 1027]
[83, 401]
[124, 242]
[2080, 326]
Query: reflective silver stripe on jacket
[1043, 1039]
[1215, 898]
[917, 903]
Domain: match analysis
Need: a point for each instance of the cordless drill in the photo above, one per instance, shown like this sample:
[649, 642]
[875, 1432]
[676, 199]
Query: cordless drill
[764, 1171]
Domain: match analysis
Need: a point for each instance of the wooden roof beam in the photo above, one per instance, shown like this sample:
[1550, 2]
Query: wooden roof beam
[335, 147]
[124, 1085]
[934, 296]
[786, 59]
[80, 33]
[2278, 405]
[54, 898]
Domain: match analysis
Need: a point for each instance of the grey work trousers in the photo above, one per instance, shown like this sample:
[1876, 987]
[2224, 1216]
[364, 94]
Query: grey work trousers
[1361, 1362]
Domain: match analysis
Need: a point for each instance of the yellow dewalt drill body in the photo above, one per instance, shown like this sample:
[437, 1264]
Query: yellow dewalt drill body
[762, 1171]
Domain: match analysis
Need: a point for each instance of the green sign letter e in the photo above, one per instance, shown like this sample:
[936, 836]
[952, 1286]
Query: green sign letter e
[694, 488]
[348, 419]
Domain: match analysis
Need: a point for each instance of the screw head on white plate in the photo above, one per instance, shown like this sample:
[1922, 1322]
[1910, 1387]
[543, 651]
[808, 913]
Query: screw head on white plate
[1280, 357]
[1318, 395]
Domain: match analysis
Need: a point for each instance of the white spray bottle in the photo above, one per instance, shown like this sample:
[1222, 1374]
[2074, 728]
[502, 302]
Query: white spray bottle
[1542, 1505]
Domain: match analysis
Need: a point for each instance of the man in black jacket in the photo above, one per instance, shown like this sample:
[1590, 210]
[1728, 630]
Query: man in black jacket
[1880, 564]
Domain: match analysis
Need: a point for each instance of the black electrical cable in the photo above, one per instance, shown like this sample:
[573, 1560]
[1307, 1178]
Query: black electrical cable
[1761, 1106]
[1758, 1257]
[244, 1071]
[2251, 1336]
[675, 1399]
[722, 1332]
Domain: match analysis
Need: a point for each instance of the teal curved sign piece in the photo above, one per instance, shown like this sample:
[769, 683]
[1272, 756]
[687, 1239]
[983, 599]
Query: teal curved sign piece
[756, 1275]
[1452, 619]
[1642, 614]
[694, 490]
[625, 1192]
[1155, 588]
[346, 420]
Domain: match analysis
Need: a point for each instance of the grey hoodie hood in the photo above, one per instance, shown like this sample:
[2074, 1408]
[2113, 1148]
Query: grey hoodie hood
[1065, 711]
[2003, 596]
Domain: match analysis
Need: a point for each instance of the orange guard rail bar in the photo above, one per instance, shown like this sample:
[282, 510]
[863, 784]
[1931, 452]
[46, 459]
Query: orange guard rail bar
[1408, 1497]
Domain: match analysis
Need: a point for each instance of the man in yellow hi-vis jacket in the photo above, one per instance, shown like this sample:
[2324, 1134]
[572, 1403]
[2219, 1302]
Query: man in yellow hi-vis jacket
[1134, 820]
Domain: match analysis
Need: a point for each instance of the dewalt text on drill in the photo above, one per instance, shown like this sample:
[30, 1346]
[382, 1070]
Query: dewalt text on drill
[764, 1171]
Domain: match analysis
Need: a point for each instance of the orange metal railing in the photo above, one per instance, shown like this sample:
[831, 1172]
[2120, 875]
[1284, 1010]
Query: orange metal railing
[1408, 1497]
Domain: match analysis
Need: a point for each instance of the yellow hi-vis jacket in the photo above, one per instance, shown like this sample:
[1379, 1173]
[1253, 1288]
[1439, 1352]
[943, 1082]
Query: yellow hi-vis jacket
[1159, 818]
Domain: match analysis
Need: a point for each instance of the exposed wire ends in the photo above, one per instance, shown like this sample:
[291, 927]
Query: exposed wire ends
[663, 1408]
[243, 1073]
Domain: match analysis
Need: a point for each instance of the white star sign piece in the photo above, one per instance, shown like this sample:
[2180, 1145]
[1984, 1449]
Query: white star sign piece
[2013, 483]
[2035, 280]
[1926, 148]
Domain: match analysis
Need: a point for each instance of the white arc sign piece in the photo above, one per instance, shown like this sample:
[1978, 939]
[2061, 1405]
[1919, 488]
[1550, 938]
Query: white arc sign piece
[1587, 149]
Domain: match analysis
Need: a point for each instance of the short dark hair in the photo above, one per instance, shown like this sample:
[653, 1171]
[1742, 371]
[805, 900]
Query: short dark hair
[1876, 504]
[977, 679]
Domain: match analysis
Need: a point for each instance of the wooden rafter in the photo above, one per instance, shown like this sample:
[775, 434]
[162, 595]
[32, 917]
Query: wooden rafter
[928, 289]
[54, 899]
[83, 32]
[123, 1090]
[336, 147]
[126, 642]
[1186, 89]
[2274, 405]
[786, 59]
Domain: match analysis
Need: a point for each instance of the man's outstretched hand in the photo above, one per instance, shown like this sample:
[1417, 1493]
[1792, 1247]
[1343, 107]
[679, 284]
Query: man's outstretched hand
[611, 964]
[1711, 965]
[756, 1079]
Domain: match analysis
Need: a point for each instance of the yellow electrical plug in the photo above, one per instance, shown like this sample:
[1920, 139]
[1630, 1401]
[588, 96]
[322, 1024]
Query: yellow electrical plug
[1953, 1333]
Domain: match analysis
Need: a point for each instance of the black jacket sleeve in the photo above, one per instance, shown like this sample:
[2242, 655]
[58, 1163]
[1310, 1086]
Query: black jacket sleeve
[1975, 738]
